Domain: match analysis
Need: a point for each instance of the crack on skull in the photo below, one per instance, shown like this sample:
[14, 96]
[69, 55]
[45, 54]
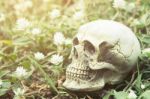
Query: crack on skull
[118, 50]
[127, 56]
[115, 57]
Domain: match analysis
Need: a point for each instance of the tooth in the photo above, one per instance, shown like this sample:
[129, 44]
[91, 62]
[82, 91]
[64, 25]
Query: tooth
[71, 70]
[74, 75]
[75, 70]
[81, 76]
[84, 73]
[84, 77]
[78, 71]
[69, 74]
[67, 69]
[78, 75]
[82, 67]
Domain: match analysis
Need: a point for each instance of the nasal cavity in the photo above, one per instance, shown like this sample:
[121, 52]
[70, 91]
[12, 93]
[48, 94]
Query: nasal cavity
[75, 52]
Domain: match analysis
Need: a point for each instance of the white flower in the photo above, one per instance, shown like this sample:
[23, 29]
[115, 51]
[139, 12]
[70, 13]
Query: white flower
[22, 24]
[119, 4]
[78, 15]
[36, 31]
[19, 93]
[56, 59]
[132, 95]
[20, 72]
[2, 17]
[59, 38]
[55, 13]
[39, 55]
[142, 86]
[1, 82]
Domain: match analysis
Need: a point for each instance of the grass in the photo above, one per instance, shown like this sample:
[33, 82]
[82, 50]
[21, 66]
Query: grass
[42, 19]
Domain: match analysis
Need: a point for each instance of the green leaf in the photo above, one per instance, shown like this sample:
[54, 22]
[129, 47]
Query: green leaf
[12, 56]
[146, 39]
[57, 70]
[3, 73]
[4, 88]
[26, 64]
[107, 96]
[7, 42]
[120, 95]
[138, 81]
[49, 80]
[22, 41]
[145, 95]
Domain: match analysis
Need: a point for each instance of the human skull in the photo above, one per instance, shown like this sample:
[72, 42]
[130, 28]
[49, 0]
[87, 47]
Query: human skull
[103, 51]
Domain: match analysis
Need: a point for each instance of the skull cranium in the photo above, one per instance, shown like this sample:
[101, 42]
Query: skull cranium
[103, 52]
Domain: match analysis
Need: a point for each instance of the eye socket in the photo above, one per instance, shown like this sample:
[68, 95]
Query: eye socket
[75, 41]
[105, 45]
[89, 47]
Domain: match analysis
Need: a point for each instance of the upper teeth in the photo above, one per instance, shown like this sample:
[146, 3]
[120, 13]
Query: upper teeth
[77, 72]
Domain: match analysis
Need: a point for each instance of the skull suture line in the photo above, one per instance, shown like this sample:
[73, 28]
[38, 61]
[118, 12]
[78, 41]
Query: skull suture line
[103, 52]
